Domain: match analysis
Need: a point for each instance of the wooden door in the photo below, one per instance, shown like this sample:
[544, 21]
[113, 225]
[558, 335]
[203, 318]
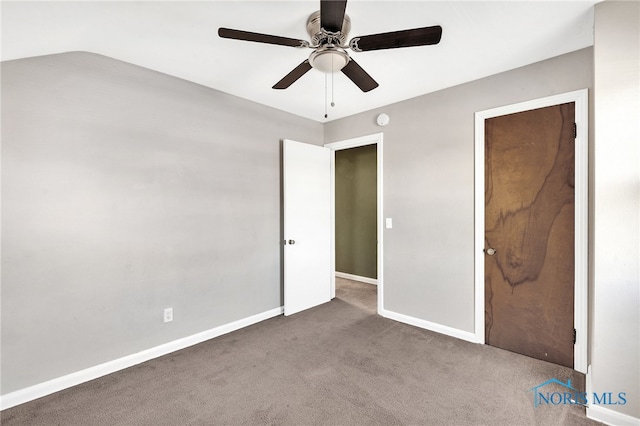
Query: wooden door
[307, 226]
[529, 233]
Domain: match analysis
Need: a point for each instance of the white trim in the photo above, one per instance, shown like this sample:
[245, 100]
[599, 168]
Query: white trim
[432, 326]
[359, 278]
[332, 229]
[376, 138]
[580, 97]
[588, 386]
[606, 415]
[46, 388]
[610, 417]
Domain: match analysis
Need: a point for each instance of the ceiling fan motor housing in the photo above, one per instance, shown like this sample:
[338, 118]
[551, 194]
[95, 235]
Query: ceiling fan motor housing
[320, 37]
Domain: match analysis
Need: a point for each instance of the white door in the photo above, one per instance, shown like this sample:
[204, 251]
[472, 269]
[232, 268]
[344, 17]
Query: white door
[307, 226]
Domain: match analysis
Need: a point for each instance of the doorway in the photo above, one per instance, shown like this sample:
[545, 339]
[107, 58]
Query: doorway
[375, 139]
[508, 264]
[356, 214]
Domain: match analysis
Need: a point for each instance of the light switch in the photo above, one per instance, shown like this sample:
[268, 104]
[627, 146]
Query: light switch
[388, 223]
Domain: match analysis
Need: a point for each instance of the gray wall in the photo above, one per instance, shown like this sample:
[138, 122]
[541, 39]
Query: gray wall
[356, 211]
[429, 183]
[615, 359]
[125, 191]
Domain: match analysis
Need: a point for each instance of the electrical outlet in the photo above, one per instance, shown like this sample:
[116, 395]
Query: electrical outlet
[168, 314]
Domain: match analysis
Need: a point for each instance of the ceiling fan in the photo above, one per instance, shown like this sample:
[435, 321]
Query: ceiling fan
[328, 29]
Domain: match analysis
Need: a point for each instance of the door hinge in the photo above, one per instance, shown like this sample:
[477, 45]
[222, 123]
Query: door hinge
[575, 130]
[574, 336]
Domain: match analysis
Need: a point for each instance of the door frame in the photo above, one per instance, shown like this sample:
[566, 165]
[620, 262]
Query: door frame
[373, 139]
[581, 222]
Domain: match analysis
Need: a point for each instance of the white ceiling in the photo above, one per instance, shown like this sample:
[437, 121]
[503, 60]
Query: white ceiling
[480, 38]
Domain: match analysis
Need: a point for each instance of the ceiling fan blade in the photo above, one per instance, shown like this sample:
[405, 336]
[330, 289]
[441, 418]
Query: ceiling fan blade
[332, 14]
[392, 40]
[293, 76]
[359, 76]
[260, 38]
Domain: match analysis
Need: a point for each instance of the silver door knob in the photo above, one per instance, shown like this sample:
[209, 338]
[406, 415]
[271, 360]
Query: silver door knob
[292, 242]
[490, 251]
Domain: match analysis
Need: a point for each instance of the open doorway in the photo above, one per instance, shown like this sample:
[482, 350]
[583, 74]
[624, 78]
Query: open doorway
[357, 240]
[355, 214]
[356, 233]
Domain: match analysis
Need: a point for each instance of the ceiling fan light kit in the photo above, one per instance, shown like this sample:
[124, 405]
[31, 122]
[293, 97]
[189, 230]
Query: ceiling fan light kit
[329, 59]
[328, 29]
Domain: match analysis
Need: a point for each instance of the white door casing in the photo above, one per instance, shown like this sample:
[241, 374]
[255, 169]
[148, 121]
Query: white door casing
[377, 139]
[307, 224]
[580, 97]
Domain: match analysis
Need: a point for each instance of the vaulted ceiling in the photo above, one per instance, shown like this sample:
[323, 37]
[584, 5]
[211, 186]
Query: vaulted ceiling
[480, 38]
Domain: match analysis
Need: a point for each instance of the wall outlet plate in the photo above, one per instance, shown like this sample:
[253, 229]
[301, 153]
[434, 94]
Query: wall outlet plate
[168, 314]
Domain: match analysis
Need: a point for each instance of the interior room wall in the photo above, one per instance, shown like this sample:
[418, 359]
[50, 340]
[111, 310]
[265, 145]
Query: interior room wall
[615, 354]
[429, 183]
[126, 191]
[356, 216]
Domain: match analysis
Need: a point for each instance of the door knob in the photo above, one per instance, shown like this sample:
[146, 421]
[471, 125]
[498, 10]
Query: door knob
[490, 251]
[292, 242]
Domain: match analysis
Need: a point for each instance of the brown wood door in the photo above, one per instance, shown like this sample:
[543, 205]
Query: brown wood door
[529, 222]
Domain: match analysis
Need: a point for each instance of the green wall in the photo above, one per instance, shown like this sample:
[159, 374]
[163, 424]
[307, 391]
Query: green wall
[356, 211]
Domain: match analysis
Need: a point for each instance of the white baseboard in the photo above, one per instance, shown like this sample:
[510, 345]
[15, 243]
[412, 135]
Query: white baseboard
[606, 415]
[428, 325]
[46, 388]
[610, 417]
[357, 278]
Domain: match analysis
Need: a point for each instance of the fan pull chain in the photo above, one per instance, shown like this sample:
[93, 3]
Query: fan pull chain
[332, 85]
[325, 96]
[326, 90]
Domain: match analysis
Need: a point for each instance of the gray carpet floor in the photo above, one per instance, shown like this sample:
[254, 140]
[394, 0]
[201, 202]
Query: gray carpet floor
[336, 364]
